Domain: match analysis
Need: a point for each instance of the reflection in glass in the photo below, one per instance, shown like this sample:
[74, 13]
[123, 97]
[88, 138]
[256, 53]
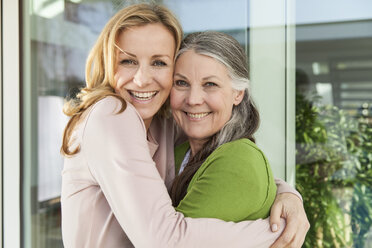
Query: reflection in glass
[334, 121]
[57, 36]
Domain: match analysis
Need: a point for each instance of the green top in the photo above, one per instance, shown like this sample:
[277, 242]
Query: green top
[234, 183]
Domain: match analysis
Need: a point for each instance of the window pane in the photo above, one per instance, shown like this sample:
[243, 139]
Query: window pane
[57, 36]
[334, 120]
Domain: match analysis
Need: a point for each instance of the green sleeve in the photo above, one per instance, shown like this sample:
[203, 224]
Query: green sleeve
[235, 183]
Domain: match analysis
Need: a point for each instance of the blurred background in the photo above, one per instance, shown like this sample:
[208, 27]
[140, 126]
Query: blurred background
[311, 73]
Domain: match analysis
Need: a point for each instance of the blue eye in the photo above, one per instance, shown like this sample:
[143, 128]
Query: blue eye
[128, 62]
[159, 63]
[181, 83]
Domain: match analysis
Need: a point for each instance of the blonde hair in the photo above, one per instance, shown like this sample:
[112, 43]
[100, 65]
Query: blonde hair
[101, 62]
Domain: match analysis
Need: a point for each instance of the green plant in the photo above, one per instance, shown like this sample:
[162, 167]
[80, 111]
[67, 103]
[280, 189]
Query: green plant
[361, 210]
[333, 174]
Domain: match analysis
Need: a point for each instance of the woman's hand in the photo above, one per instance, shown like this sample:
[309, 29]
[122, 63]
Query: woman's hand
[290, 207]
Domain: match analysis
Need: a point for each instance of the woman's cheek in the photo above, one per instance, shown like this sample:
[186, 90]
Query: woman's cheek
[173, 98]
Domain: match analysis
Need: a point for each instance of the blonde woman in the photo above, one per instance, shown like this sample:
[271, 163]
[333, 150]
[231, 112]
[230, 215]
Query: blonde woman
[113, 193]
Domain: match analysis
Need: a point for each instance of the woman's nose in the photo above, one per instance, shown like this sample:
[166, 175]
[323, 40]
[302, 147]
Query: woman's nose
[142, 77]
[195, 96]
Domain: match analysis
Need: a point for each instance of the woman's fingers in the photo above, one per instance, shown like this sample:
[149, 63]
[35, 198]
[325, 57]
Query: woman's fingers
[297, 225]
[300, 235]
[275, 213]
[287, 237]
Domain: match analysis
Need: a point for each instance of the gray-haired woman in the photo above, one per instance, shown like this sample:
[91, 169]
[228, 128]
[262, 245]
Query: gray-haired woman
[222, 173]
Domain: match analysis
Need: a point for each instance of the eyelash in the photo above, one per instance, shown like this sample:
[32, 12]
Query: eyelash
[180, 83]
[210, 84]
[157, 63]
[128, 62]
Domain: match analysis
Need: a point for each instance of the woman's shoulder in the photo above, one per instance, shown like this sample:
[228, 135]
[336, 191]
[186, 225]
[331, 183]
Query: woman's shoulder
[113, 112]
[111, 105]
[240, 157]
[240, 150]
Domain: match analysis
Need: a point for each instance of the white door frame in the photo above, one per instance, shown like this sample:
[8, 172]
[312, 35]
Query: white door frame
[11, 124]
[272, 63]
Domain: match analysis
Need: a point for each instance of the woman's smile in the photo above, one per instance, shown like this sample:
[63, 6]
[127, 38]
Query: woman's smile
[142, 96]
[197, 116]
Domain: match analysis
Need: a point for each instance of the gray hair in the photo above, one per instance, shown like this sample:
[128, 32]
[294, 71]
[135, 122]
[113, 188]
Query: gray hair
[244, 119]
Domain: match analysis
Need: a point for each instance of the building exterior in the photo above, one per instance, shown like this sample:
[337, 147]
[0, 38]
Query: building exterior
[311, 74]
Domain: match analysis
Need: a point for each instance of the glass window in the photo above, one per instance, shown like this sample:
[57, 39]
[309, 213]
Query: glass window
[334, 120]
[57, 36]
[333, 116]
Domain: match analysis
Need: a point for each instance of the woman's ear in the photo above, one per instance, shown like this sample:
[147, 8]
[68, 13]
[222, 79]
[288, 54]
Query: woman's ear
[238, 96]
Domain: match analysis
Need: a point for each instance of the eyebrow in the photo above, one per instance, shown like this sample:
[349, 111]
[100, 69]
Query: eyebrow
[210, 77]
[160, 55]
[133, 55]
[180, 75]
[203, 79]
[153, 56]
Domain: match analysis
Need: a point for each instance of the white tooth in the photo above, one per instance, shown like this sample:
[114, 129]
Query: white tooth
[144, 94]
[198, 115]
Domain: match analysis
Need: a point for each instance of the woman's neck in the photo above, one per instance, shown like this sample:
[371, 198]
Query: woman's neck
[147, 123]
[196, 146]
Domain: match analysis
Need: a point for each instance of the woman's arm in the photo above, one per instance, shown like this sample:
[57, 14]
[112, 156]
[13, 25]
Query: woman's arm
[284, 187]
[116, 149]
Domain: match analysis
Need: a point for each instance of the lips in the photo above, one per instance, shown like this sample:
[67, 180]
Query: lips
[142, 96]
[197, 115]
